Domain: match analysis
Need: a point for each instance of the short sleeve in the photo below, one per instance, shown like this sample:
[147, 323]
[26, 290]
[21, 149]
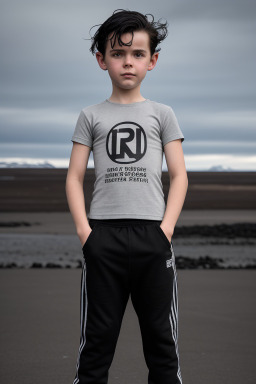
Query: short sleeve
[170, 127]
[83, 131]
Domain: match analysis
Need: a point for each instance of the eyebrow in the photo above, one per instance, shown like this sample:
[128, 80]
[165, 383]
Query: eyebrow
[123, 50]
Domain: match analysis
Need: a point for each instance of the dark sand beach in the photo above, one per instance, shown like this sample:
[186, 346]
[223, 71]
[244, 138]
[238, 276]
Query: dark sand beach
[40, 306]
[40, 328]
[42, 190]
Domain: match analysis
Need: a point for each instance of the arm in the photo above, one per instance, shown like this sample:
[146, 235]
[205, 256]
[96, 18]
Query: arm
[74, 189]
[178, 186]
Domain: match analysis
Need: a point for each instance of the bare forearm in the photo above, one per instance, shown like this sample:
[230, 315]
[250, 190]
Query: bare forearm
[175, 201]
[75, 197]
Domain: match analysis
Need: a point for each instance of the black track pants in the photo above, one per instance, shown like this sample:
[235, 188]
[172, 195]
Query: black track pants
[123, 257]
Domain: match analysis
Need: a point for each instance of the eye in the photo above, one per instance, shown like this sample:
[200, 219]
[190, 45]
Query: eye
[116, 54]
[139, 54]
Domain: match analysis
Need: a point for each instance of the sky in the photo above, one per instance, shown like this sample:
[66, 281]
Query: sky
[205, 72]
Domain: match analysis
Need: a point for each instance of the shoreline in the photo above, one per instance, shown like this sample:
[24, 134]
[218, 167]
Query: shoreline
[203, 239]
[181, 262]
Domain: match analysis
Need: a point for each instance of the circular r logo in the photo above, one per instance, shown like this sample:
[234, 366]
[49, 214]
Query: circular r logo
[126, 143]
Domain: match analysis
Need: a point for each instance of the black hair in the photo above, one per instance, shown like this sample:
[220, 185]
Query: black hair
[123, 21]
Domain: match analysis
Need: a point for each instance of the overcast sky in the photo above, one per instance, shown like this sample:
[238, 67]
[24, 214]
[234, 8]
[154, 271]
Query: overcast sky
[205, 71]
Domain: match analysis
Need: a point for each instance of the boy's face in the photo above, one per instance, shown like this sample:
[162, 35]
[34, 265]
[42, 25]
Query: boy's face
[127, 65]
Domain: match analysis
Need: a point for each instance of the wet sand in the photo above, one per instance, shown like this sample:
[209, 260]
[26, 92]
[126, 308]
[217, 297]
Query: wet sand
[62, 222]
[40, 328]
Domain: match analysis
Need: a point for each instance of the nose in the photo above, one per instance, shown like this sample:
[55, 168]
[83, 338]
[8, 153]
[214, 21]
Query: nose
[127, 61]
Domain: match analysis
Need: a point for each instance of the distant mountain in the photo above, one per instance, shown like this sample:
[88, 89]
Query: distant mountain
[46, 164]
[220, 168]
[25, 164]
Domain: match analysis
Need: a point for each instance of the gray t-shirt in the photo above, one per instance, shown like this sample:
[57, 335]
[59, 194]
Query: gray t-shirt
[127, 141]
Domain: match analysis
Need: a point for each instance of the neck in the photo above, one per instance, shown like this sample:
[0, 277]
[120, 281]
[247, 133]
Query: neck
[126, 96]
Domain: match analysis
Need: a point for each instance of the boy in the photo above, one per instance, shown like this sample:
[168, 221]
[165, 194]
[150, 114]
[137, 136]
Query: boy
[127, 243]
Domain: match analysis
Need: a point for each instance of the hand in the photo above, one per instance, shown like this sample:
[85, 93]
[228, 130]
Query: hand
[84, 236]
[167, 231]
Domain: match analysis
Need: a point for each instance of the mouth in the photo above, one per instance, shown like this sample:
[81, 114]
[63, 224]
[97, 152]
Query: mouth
[128, 74]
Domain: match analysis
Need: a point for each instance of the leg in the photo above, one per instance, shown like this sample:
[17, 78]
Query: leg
[155, 300]
[104, 296]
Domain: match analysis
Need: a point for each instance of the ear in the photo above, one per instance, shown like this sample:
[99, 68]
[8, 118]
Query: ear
[101, 62]
[153, 61]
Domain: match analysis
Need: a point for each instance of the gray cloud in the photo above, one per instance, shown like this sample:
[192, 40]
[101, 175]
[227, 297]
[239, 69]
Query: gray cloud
[205, 69]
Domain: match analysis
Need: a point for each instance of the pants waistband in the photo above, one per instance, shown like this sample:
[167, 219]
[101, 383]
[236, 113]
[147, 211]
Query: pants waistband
[122, 222]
